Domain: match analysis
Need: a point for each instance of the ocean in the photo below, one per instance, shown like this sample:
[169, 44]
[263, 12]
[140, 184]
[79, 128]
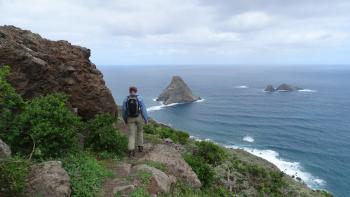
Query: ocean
[304, 133]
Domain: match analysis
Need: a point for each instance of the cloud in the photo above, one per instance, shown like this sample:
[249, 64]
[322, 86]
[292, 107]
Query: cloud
[242, 30]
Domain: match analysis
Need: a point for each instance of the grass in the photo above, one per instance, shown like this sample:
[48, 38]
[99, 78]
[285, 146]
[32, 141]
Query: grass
[86, 174]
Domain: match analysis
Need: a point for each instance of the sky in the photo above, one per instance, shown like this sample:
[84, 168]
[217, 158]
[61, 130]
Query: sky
[174, 32]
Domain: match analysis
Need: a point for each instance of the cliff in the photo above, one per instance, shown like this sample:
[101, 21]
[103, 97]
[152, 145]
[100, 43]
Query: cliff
[40, 66]
[177, 92]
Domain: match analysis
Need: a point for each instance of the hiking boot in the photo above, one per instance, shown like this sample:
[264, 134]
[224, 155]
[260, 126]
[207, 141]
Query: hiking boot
[131, 153]
[140, 148]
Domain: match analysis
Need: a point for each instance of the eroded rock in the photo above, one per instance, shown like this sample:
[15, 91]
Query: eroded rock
[5, 150]
[48, 179]
[174, 162]
[177, 92]
[160, 182]
[40, 66]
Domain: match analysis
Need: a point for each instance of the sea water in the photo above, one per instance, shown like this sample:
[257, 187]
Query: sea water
[304, 133]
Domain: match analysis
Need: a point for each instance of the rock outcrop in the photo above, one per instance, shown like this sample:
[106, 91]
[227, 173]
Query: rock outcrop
[48, 179]
[160, 182]
[40, 66]
[5, 150]
[177, 92]
[269, 88]
[174, 162]
[287, 88]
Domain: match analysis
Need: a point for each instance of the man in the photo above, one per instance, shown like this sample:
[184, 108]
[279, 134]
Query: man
[134, 115]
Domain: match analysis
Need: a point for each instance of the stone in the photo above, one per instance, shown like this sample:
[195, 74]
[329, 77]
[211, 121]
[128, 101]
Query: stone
[160, 182]
[5, 150]
[40, 66]
[174, 162]
[269, 88]
[168, 141]
[123, 169]
[48, 179]
[177, 92]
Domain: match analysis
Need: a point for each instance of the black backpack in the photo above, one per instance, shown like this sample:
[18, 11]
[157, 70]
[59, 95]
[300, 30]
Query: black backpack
[132, 106]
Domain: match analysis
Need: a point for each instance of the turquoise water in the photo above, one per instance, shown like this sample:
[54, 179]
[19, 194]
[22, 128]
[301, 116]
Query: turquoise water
[304, 133]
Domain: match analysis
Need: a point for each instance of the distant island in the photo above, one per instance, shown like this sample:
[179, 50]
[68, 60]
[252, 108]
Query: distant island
[282, 88]
[177, 92]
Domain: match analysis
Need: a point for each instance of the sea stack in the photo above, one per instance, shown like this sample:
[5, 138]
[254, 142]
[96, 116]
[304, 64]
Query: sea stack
[177, 92]
[287, 88]
[269, 88]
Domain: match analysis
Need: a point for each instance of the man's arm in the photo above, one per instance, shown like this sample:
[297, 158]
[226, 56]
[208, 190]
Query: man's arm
[143, 109]
[124, 113]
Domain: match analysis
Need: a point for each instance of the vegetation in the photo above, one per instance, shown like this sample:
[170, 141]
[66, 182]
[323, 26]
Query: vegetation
[13, 172]
[167, 132]
[204, 171]
[102, 137]
[11, 104]
[86, 174]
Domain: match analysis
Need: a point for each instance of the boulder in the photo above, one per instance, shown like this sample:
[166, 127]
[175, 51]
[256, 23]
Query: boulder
[5, 150]
[48, 179]
[40, 66]
[160, 182]
[177, 92]
[287, 88]
[174, 162]
[269, 88]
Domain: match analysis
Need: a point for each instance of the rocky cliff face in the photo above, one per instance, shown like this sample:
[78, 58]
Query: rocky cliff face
[177, 92]
[40, 66]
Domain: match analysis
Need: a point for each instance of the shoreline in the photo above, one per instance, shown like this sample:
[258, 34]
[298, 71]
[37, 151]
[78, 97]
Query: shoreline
[291, 168]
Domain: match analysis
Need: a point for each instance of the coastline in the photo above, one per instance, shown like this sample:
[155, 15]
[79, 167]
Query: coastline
[268, 158]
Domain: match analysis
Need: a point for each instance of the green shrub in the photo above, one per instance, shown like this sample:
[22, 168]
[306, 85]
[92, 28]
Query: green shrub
[13, 172]
[85, 173]
[167, 132]
[49, 124]
[102, 136]
[211, 153]
[11, 104]
[204, 171]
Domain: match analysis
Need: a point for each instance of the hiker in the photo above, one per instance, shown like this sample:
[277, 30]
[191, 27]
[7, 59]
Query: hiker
[134, 115]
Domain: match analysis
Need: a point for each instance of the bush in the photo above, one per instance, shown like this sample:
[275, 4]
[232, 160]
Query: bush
[13, 173]
[167, 132]
[204, 171]
[11, 104]
[104, 137]
[49, 124]
[211, 153]
[86, 174]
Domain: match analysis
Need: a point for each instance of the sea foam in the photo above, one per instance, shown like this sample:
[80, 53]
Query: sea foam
[291, 168]
[241, 87]
[161, 106]
[248, 139]
[307, 90]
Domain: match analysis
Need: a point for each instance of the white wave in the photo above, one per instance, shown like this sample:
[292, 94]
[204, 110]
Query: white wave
[195, 138]
[307, 90]
[154, 99]
[161, 106]
[200, 100]
[289, 167]
[248, 139]
[241, 87]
